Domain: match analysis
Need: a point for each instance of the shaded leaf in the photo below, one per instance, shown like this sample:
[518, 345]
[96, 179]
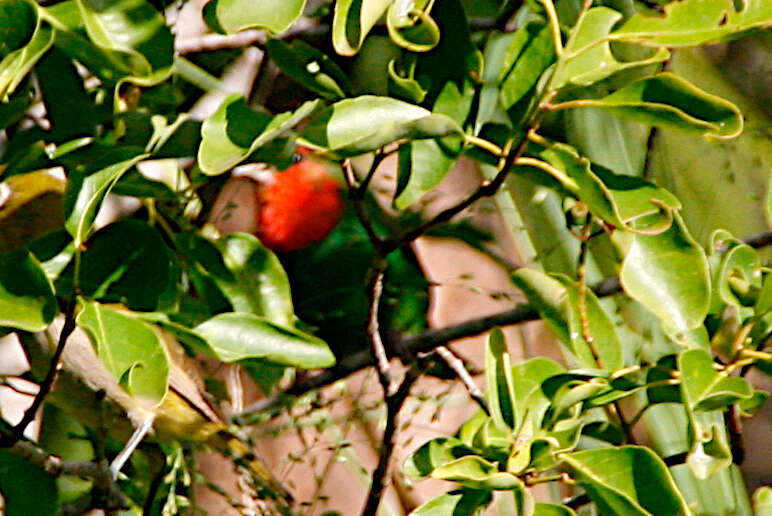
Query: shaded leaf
[18, 480]
[30, 207]
[238, 336]
[309, 67]
[130, 349]
[15, 66]
[530, 53]
[411, 26]
[434, 454]
[706, 389]
[498, 372]
[629, 480]
[27, 299]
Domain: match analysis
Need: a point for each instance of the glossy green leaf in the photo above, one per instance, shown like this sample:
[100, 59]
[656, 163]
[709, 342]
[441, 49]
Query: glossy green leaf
[15, 65]
[594, 63]
[310, 67]
[27, 299]
[550, 509]
[666, 273]
[130, 27]
[276, 16]
[235, 131]
[351, 22]
[464, 502]
[27, 489]
[434, 454]
[363, 124]
[530, 53]
[710, 451]
[18, 21]
[477, 473]
[695, 22]
[739, 276]
[622, 201]
[126, 262]
[703, 387]
[427, 162]
[259, 284]
[498, 372]
[411, 27]
[238, 336]
[90, 195]
[131, 350]
[529, 398]
[668, 101]
[403, 84]
[629, 480]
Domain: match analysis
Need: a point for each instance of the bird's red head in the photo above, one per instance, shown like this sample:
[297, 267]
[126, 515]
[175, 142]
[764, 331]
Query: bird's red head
[300, 207]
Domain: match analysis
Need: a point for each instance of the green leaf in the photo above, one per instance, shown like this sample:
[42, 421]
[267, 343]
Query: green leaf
[237, 336]
[18, 21]
[667, 273]
[427, 162]
[596, 62]
[529, 398]
[30, 207]
[27, 489]
[762, 501]
[739, 276]
[351, 22]
[133, 28]
[276, 16]
[624, 202]
[706, 389]
[366, 123]
[696, 22]
[126, 262]
[477, 473]
[89, 197]
[498, 372]
[433, 454]
[464, 502]
[15, 66]
[411, 27]
[235, 131]
[312, 69]
[131, 350]
[530, 53]
[549, 509]
[668, 101]
[259, 284]
[629, 480]
[27, 299]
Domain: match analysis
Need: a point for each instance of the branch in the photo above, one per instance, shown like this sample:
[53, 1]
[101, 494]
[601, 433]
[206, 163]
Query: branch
[377, 348]
[458, 367]
[394, 402]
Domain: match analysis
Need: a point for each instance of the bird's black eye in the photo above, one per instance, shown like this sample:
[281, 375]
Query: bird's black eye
[297, 158]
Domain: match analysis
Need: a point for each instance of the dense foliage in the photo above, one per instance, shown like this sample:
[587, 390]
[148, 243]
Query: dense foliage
[555, 101]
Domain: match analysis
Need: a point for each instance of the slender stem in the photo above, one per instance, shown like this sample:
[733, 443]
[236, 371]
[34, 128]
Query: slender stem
[356, 194]
[553, 171]
[375, 289]
[484, 144]
[53, 371]
[458, 367]
[554, 22]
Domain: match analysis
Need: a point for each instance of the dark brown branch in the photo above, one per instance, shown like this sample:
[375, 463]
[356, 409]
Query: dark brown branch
[53, 371]
[394, 402]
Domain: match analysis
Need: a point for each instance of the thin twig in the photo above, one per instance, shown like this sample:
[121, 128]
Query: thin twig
[356, 194]
[377, 348]
[394, 402]
[458, 367]
[53, 371]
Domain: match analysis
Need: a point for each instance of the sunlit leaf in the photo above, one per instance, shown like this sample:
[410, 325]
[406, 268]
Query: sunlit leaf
[477, 473]
[498, 372]
[351, 22]
[668, 101]
[434, 454]
[597, 62]
[363, 124]
[275, 16]
[130, 349]
[695, 22]
[629, 480]
[235, 131]
[706, 389]
[27, 299]
[238, 336]
[411, 27]
[667, 273]
[15, 65]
